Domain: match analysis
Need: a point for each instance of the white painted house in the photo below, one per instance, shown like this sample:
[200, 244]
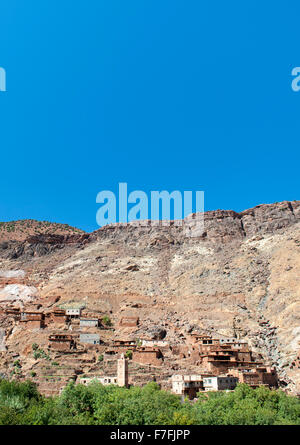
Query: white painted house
[218, 383]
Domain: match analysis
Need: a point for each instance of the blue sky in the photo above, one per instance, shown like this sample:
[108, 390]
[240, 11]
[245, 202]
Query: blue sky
[161, 94]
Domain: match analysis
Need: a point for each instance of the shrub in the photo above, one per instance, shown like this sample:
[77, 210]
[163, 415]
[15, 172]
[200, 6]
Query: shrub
[128, 354]
[106, 320]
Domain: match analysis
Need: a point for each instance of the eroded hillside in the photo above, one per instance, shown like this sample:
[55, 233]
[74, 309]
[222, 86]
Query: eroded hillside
[241, 279]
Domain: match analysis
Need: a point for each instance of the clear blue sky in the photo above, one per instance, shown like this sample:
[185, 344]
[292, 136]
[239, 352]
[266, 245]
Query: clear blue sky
[161, 94]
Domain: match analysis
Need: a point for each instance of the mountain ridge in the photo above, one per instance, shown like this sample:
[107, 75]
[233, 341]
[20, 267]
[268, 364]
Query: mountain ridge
[37, 227]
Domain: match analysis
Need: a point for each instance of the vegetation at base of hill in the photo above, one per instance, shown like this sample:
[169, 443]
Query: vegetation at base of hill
[21, 404]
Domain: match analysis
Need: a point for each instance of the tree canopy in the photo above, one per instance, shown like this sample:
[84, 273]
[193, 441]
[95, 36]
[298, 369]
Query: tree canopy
[95, 404]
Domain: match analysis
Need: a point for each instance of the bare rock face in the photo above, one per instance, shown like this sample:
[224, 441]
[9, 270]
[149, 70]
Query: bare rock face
[270, 217]
[240, 278]
[157, 333]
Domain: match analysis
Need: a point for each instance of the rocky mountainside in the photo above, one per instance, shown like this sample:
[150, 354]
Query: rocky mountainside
[241, 278]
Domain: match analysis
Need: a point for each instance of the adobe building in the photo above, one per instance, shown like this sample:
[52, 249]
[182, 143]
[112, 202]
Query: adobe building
[255, 377]
[13, 312]
[58, 316]
[203, 339]
[129, 322]
[187, 385]
[122, 345]
[221, 358]
[218, 355]
[147, 355]
[61, 342]
[32, 319]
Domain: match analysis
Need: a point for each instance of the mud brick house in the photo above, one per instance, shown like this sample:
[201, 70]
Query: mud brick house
[219, 383]
[61, 342]
[147, 355]
[242, 354]
[110, 352]
[220, 358]
[255, 377]
[240, 345]
[218, 355]
[58, 316]
[13, 312]
[89, 322]
[187, 385]
[33, 319]
[186, 351]
[203, 339]
[123, 345]
[92, 339]
[129, 322]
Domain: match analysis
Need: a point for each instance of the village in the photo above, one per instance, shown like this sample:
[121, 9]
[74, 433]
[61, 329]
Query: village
[75, 343]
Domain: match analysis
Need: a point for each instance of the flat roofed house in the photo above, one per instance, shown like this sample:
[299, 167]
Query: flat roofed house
[73, 312]
[257, 376]
[92, 339]
[105, 380]
[62, 342]
[147, 355]
[219, 383]
[33, 319]
[187, 385]
[58, 315]
[89, 322]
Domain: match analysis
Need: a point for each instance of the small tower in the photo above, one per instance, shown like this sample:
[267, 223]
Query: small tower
[122, 377]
